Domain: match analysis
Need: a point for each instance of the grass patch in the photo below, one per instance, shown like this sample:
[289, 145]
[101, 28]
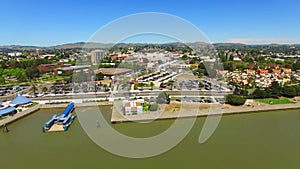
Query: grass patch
[275, 101]
[59, 102]
[33, 104]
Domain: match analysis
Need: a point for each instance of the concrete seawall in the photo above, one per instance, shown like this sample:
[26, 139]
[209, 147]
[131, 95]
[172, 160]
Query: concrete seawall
[119, 117]
[19, 115]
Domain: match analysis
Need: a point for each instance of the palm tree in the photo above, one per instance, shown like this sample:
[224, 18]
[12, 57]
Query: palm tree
[33, 89]
[76, 88]
[64, 88]
[54, 88]
[95, 87]
[44, 89]
[172, 84]
[85, 87]
[105, 86]
[151, 85]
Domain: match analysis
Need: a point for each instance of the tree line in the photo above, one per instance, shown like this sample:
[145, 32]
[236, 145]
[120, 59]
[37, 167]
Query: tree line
[274, 91]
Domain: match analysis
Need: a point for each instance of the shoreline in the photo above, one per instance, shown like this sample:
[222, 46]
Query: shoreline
[116, 117]
[120, 118]
[20, 115]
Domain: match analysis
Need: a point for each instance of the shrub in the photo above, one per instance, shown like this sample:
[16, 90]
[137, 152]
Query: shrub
[259, 94]
[163, 98]
[235, 100]
[289, 91]
[153, 107]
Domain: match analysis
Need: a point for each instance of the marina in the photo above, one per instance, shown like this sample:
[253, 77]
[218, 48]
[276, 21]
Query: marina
[239, 142]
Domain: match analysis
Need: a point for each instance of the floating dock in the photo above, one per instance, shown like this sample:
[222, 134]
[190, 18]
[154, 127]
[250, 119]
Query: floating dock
[62, 122]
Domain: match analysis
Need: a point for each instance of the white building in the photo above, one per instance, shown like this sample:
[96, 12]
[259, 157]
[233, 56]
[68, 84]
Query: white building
[14, 54]
[133, 107]
[97, 56]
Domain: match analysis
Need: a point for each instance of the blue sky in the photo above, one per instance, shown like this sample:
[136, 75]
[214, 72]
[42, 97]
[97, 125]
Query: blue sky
[52, 22]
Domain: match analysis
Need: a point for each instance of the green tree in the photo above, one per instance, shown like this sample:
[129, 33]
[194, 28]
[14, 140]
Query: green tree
[145, 60]
[248, 59]
[153, 107]
[163, 98]
[289, 91]
[228, 66]
[160, 62]
[259, 94]
[296, 66]
[275, 89]
[261, 59]
[32, 72]
[85, 87]
[184, 57]
[105, 86]
[235, 100]
[54, 88]
[33, 89]
[151, 85]
[240, 91]
[44, 89]
[64, 88]
[2, 80]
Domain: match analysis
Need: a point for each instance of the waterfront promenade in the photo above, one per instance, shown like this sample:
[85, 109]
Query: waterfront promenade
[189, 111]
[217, 109]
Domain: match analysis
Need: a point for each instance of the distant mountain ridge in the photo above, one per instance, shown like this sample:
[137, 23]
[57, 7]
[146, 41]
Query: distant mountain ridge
[94, 45]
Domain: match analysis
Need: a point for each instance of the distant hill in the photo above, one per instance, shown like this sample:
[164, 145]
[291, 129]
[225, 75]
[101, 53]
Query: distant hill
[21, 48]
[229, 45]
[88, 45]
[93, 45]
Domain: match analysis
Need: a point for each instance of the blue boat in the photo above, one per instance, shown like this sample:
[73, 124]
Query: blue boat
[62, 122]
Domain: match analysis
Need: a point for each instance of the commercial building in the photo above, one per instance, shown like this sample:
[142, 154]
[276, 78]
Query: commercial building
[49, 67]
[97, 56]
[20, 101]
[70, 69]
[6, 110]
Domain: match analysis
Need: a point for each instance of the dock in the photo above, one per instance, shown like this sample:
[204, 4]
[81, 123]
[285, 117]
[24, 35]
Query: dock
[61, 122]
[56, 128]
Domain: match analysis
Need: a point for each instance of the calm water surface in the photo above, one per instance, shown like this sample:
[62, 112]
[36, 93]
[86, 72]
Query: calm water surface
[260, 140]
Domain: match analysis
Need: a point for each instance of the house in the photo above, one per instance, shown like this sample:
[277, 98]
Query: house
[263, 71]
[133, 107]
[123, 57]
[287, 70]
[237, 59]
[250, 72]
[222, 72]
[277, 71]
